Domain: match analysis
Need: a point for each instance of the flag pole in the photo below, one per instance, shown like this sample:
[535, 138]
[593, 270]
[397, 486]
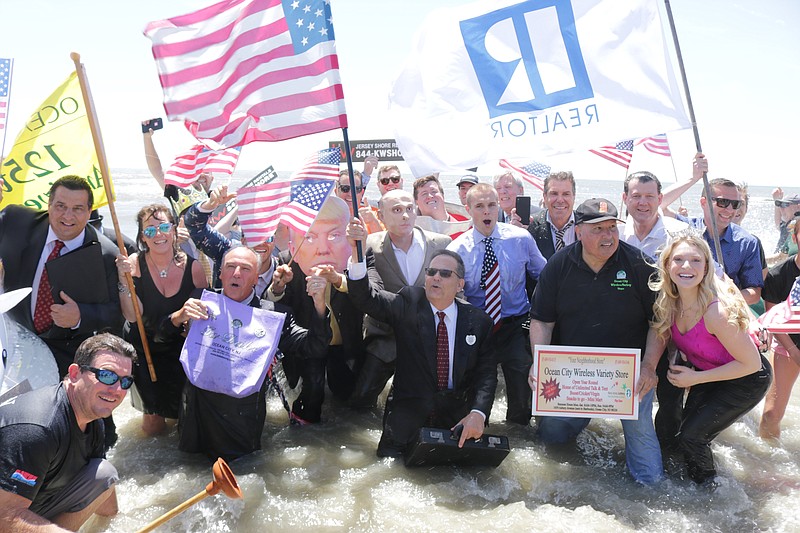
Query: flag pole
[353, 197]
[706, 187]
[94, 126]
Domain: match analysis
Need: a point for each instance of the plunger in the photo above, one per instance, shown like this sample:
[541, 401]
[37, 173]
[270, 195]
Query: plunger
[223, 480]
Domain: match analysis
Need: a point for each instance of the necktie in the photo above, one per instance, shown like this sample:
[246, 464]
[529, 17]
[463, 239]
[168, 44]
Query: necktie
[490, 282]
[42, 317]
[560, 235]
[442, 354]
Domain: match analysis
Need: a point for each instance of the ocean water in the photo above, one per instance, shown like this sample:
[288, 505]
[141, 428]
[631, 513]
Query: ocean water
[327, 477]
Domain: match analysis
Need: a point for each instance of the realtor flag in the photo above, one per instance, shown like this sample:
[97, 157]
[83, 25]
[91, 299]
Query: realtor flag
[188, 166]
[250, 70]
[515, 79]
[293, 201]
[56, 141]
[533, 173]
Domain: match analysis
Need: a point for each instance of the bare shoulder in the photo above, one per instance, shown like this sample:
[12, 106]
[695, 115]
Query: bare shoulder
[716, 318]
[199, 275]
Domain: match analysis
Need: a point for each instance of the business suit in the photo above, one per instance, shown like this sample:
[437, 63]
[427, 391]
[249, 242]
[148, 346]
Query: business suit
[415, 400]
[540, 229]
[341, 363]
[378, 336]
[23, 233]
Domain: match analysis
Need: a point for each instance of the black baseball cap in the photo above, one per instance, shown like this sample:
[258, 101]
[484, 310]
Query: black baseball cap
[596, 210]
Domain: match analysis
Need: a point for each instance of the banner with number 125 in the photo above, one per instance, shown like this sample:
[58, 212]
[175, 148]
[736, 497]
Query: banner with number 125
[56, 141]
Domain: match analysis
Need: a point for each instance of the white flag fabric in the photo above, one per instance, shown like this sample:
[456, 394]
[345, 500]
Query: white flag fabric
[503, 79]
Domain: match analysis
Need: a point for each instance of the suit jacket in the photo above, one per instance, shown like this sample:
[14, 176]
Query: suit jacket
[540, 229]
[409, 312]
[23, 232]
[379, 336]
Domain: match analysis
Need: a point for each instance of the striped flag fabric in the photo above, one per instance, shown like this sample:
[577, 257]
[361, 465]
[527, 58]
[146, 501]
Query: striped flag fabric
[295, 201]
[533, 173]
[6, 66]
[657, 144]
[188, 166]
[621, 153]
[251, 70]
[784, 317]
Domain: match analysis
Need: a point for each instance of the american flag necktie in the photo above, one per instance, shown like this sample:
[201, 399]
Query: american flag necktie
[490, 282]
[442, 354]
[42, 316]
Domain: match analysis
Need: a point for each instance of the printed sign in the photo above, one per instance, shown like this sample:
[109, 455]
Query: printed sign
[383, 149]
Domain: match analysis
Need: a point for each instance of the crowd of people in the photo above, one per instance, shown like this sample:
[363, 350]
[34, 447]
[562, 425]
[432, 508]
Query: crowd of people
[379, 298]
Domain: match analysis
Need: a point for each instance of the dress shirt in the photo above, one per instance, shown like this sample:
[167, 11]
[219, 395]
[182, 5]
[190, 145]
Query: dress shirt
[569, 235]
[411, 261]
[451, 315]
[516, 253]
[657, 237]
[49, 244]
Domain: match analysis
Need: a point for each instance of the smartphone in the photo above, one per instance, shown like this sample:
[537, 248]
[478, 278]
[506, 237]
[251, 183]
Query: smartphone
[524, 209]
[152, 124]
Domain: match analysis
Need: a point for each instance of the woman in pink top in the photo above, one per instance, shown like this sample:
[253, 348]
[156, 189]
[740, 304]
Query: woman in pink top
[708, 321]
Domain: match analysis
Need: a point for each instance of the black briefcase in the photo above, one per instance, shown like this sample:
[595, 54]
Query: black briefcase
[436, 446]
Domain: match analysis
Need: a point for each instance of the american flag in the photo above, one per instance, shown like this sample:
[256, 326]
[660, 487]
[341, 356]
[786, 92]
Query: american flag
[5, 83]
[784, 317]
[295, 201]
[621, 153]
[188, 166]
[533, 173]
[251, 70]
[658, 144]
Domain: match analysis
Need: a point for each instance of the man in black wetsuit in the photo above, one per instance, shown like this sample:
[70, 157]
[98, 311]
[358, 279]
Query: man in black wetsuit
[52, 466]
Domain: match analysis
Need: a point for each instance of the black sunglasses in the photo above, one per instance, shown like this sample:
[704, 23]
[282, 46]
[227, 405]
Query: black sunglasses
[109, 377]
[346, 188]
[444, 272]
[722, 203]
[393, 179]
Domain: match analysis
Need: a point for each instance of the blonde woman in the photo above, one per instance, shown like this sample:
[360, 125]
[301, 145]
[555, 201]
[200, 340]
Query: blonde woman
[708, 321]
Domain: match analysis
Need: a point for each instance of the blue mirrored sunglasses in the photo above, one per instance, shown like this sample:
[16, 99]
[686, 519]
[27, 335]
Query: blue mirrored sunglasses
[150, 231]
[109, 377]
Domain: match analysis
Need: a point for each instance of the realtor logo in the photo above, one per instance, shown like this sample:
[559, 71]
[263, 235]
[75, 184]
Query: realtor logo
[527, 57]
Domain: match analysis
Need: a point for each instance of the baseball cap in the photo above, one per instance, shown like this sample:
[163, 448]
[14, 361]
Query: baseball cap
[469, 178]
[596, 210]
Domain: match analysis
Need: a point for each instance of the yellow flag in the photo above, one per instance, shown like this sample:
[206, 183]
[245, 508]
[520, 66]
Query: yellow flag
[56, 141]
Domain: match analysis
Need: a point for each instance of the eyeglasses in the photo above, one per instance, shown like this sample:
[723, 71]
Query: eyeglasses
[346, 188]
[722, 203]
[150, 231]
[109, 377]
[443, 272]
[393, 179]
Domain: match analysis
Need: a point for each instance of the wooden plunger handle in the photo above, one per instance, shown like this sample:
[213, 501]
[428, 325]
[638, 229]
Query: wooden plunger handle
[175, 512]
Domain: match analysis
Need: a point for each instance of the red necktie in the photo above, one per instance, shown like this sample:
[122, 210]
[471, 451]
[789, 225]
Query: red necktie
[490, 282]
[442, 354]
[42, 316]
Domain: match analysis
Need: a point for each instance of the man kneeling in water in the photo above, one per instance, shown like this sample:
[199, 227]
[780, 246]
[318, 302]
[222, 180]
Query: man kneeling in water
[52, 466]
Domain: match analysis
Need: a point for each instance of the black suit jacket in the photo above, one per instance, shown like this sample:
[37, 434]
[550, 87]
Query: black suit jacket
[409, 312]
[540, 229]
[23, 233]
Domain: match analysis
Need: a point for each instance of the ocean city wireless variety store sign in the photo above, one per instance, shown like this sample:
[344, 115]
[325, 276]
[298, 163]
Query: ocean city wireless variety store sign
[516, 79]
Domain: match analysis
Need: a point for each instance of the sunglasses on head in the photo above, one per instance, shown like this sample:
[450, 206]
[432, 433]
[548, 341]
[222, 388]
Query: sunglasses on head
[443, 272]
[346, 188]
[393, 179]
[150, 231]
[109, 377]
[722, 203]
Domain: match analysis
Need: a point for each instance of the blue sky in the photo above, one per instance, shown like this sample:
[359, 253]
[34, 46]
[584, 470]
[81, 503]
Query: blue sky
[740, 57]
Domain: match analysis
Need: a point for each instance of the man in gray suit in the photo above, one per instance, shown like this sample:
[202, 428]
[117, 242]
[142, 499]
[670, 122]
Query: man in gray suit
[400, 253]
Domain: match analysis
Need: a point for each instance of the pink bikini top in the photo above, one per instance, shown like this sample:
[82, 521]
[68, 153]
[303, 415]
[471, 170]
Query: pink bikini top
[702, 349]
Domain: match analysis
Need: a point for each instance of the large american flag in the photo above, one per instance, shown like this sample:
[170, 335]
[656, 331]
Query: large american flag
[251, 70]
[188, 166]
[533, 173]
[658, 144]
[621, 153]
[5, 84]
[295, 201]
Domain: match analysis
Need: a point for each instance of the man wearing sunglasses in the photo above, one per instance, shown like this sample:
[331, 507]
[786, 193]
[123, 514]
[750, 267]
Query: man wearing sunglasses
[445, 372]
[389, 179]
[52, 465]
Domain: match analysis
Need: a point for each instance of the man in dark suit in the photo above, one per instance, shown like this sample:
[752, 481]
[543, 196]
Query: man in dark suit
[445, 372]
[400, 254]
[557, 221]
[28, 239]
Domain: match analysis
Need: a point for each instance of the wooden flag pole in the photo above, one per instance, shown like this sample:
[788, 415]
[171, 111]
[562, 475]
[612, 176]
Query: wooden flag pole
[706, 187]
[94, 126]
[353, 196]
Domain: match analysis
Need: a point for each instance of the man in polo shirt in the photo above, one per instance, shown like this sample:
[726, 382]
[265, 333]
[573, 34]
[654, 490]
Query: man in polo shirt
[595, 293]
[645, 227]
